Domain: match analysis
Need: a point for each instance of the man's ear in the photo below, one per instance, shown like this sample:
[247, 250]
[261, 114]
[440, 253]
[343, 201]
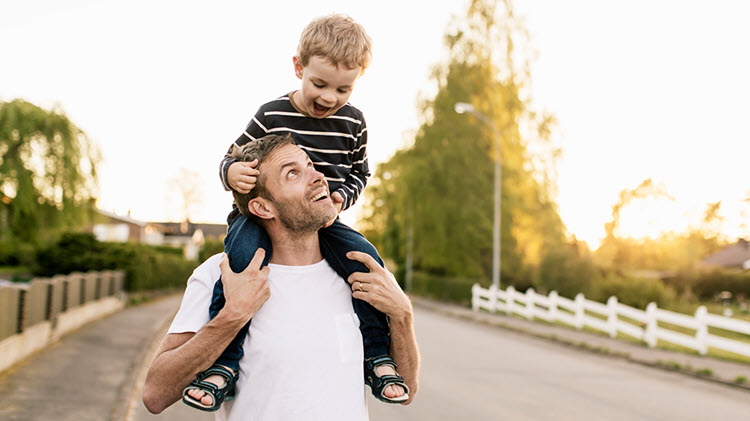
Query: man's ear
[298, 67]
[262, 208]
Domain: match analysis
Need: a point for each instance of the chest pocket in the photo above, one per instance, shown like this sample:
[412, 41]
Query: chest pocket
[350, 340]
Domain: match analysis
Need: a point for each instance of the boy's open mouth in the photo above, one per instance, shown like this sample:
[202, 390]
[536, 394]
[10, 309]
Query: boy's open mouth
[320, 109]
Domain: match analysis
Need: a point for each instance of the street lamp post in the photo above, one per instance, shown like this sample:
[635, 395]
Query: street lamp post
[462, 108]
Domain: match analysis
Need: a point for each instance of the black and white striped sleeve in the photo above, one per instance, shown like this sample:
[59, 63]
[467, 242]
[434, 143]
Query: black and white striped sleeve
[255, 129]
[356, 181]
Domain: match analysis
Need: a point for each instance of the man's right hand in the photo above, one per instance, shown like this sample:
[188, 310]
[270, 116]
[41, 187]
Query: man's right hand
[246, 291]
[241, 176]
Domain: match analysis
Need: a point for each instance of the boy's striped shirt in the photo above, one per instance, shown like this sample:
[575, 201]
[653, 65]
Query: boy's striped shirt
[337, 145]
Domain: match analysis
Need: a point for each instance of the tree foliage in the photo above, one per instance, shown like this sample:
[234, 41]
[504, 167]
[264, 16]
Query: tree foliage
[441, 187]
[47, 172]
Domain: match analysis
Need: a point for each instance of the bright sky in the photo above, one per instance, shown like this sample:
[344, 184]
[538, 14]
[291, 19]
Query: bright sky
[641, 89]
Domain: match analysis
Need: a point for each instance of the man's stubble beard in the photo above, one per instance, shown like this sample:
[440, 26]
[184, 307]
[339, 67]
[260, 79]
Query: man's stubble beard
[302, 221]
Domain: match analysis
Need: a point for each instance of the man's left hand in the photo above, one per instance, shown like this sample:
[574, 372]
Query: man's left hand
[379, 287]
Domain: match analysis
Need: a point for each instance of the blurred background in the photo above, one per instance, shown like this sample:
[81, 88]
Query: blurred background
[621, 131]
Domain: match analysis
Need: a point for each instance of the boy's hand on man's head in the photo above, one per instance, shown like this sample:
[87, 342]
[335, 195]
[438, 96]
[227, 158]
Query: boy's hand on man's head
[241, 176]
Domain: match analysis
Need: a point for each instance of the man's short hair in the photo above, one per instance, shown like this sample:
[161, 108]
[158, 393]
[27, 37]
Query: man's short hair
[337, 38]
[259, 149]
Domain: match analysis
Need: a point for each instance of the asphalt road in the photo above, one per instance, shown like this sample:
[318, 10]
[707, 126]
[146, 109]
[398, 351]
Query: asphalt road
[478, 372]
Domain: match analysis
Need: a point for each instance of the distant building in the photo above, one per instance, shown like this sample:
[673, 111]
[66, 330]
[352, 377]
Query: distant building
[119, 229]
[186, 235]
[735, 256]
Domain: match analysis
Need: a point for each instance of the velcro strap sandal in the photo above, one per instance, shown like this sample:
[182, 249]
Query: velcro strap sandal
[379, 383]
[219, 394]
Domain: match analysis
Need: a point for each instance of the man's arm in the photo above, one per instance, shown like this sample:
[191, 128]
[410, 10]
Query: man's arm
[405, 351]
[182, 355]
[381, 290]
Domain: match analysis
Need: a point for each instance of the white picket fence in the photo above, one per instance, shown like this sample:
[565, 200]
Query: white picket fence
[608, 318]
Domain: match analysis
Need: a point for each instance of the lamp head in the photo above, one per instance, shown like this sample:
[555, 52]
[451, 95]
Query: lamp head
[462, 107]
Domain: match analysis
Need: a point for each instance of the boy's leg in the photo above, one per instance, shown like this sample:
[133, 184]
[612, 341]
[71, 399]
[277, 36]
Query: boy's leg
[335, 242]
[244, 237]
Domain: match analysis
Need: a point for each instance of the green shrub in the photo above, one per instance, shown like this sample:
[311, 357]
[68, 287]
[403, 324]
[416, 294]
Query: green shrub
[444, 288]
[635, 292]
[15, 253]
[209, 248]
[147, 267]
[567, 270]
[707, 285]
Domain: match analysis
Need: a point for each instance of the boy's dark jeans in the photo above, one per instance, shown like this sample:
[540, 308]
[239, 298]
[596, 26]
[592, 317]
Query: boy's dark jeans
[243, 239]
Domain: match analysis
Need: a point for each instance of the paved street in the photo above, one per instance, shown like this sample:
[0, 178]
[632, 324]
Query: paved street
[471, 371]
[475, 372]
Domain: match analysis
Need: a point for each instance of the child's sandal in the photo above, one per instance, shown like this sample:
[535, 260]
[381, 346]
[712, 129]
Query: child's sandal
[379, 383]
[219, 394]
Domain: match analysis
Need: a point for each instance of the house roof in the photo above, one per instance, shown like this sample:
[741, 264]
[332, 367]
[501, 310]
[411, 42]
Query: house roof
[731, 256]
[126, 219]
[188, 228]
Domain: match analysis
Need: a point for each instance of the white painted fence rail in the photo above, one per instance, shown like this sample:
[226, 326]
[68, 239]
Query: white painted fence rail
[613, 318]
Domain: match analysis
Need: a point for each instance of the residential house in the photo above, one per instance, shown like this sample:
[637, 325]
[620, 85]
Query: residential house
[734, 256]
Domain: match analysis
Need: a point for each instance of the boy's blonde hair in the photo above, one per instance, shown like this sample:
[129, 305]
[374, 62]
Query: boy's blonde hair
[337, 38]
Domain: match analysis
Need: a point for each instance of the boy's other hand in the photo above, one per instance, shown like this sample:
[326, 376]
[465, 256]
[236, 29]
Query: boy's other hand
[242, 176]
[338, 202]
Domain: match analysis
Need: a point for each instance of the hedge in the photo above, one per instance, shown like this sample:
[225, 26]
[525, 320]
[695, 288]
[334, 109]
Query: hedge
[146, 266]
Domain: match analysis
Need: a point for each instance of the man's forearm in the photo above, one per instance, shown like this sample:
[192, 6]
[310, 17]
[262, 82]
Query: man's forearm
[405, 351]
[181, 356]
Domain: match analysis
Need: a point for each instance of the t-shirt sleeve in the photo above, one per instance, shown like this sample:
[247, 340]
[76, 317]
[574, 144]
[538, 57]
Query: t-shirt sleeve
[193, 312]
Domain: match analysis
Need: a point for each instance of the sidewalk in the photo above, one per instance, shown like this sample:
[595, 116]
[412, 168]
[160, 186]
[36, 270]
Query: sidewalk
[706, 368]
[88, 375]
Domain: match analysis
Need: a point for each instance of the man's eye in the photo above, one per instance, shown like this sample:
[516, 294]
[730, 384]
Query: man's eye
[291, 173]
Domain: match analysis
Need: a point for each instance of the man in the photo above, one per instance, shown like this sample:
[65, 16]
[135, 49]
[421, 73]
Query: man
[303, 355]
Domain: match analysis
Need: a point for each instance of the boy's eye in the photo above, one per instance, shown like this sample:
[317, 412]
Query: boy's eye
[343, 91]
[318, 85]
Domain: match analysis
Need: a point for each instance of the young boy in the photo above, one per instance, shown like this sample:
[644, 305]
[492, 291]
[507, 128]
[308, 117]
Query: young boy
[333, 52]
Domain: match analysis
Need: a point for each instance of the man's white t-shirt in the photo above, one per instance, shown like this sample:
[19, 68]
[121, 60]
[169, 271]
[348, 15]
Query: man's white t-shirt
[303, 355]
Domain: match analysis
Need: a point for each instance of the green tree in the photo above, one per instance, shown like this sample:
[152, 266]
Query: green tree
[441, 186]
[47, 172]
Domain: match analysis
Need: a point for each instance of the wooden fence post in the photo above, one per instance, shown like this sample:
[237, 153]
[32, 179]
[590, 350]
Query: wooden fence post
[493, 298]
[530, 303]
[475, 297]
[651, 325]
[510, 300]
[579, 300]
[701, 334]
[553, 306]
[612, 316]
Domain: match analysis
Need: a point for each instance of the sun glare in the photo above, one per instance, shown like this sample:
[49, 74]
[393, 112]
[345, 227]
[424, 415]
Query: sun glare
[651, 217]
